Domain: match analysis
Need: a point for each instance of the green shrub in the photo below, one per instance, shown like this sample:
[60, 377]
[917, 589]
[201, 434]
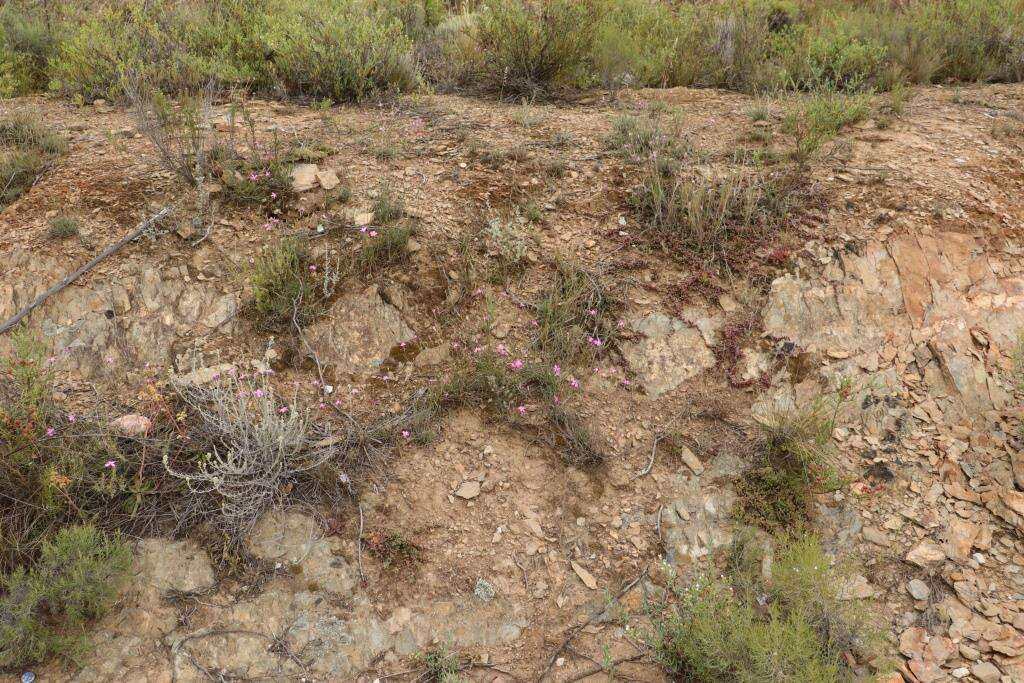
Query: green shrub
[341, 49]
[26, 151]
[282, 286]
[62, 227]
[791, 627]
[794, 462]
[43, 610]
[26, 44]
[527, 48]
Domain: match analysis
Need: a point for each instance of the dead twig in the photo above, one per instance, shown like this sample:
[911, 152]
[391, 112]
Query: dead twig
[141, 228]
[650, 464]
[574, 631]
[599, 668]
[359, 546]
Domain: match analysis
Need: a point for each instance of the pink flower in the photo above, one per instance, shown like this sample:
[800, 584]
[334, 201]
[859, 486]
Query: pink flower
[50, 431]
[405, 433]
[373, 233]
[282, 410]
[592, 312]
[71, 417]
[477, 349]
[312, 269]
[273, 195]
[110, 464]
[556, 370]
[502, 350]
[626, 382]
[517, 364]
[362, 229]
[522, 410]
[574, 383]
[258, 393]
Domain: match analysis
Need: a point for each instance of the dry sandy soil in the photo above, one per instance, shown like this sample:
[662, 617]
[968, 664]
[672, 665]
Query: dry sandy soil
[901, 273]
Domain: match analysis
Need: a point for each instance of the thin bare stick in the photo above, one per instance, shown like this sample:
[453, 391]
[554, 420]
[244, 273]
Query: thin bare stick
[142, 227]
[573, 632]
[599, 668]
[359, 546]
[650, 464]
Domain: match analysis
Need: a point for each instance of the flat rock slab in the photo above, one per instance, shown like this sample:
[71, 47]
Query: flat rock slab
[358, 333]
[670, 352]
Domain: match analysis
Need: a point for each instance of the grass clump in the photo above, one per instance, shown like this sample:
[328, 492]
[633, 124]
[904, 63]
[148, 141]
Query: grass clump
[440, 666]
[384, 247]
[794, 462]
[388, 207]
[716, 217]
[44, 609]
[62, 227]
[576, 316]
[26, 151]
[791, 626]
[282, 285]
[527, 395]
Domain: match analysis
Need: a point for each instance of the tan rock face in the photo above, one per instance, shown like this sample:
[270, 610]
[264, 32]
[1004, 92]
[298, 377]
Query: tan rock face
[669, 353]
[358, 333]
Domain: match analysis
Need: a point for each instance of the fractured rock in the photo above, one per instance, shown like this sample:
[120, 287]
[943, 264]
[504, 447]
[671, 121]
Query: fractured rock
[670, 352]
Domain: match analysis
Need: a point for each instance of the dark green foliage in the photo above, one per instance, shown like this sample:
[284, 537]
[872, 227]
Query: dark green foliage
[743, 626]
[282, 286]
[44, 609]
[26, 151]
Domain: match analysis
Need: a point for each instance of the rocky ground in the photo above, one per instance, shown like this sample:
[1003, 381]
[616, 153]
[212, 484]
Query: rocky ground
[902, 279]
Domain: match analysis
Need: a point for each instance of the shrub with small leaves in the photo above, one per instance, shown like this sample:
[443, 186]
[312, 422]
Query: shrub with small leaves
[62, 227]
[282, 285]
[44, 609]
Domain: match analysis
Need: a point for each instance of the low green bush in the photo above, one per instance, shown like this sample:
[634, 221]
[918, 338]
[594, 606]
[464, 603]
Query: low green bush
[791, 627]
[282, 286]
[44, 609]
[525, 48]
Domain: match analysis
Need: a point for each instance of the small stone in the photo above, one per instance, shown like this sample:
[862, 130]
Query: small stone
[468, 490]
[918, 589]
[586, 577]
[303, 177]
[876, 536]
[912, 642]
[986, 672]
[132, 425]
[362, 219]
[328, 179]
[691, 460]
[926, 554]
[433, 356]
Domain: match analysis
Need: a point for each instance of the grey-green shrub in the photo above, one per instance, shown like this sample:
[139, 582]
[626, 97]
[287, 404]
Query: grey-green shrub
[525, 48]
[43, 609]
[342, 49]
[740, 626]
